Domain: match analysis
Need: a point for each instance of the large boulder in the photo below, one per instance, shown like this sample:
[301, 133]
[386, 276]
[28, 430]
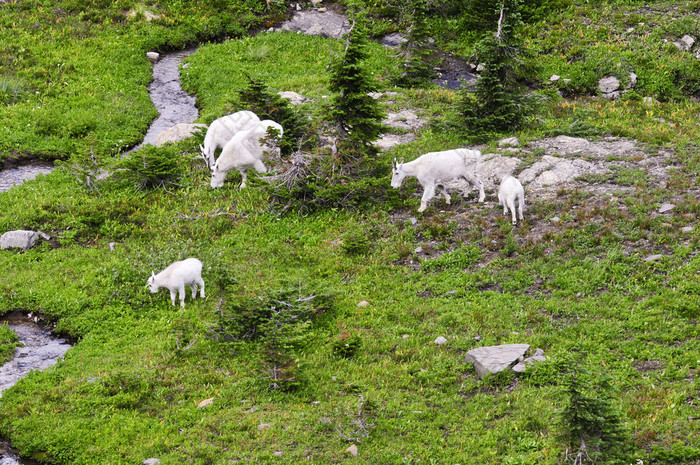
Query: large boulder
[21, 239]
[494, 359]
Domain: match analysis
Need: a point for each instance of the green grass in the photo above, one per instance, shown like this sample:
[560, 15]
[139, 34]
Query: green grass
[130, 387]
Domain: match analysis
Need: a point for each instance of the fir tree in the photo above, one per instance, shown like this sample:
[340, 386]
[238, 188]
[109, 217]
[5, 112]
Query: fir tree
[267, 104]
[593, 429]
[358, 116]
[497, 104]
[418, 61]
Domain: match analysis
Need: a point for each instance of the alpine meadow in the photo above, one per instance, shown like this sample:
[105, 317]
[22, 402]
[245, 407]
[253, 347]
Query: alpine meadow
[345, 314]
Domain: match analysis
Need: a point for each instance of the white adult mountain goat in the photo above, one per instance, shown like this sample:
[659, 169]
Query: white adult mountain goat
[221, 131]
[245, 150]
[434, 168]
[187, 272]
[510, 190]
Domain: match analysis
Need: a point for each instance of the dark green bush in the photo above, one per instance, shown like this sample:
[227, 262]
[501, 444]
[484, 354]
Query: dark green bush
[152, 167]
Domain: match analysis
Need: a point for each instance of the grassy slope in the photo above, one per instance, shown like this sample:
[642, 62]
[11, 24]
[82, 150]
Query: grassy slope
[129, 389]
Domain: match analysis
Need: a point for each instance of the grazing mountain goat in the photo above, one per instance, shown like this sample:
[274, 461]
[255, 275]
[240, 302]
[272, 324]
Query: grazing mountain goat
[245, 150]
[187, 272]
[434, 168]
[508, 192]
[221, 131]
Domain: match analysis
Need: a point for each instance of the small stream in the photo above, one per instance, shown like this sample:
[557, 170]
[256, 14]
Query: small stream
[41, 350]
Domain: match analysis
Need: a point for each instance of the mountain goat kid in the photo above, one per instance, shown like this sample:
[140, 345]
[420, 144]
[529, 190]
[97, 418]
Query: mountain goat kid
[187, 272]
[221, 131]
[245, 150]
[434, 168]
[508, 192]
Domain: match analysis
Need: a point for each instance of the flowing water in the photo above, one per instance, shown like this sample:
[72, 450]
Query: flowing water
[41, 349]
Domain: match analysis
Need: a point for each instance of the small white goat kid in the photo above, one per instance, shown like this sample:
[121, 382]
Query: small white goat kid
[245, 150]
[187, 272]
[510, 190]
[434, 168]
[221, 131]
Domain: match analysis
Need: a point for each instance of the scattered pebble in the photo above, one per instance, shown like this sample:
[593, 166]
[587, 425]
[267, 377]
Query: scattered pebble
[264, 426]
[151, 462]
[277, 453]
[205, 402]
[686, 229]
[405, 336]
[440, 340]
[352, 450]
[555, 219]
[364, 303]
[652, 258]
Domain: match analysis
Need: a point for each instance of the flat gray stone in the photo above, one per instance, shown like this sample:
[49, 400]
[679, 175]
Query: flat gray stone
[494, 359]
[653, 258]
[667, 207]
[179, 132]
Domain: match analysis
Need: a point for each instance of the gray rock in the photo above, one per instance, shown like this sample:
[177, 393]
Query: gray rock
[667, 207]
[264, 426]
[632, 82]
[538, 356]
[686, 229]
[179, 132]
[393, 40]
[608, 84]
[153, 57]
[440, 340]
[509, 141]
[554, 170]
[554, 77]
[328, 24]
[352, 450]
[21, 239]
[494, 359]
[653, 258]
[612, 95]
[494, 167]
[364, 303]
[151, 462]
[294, 98]
[555, 219]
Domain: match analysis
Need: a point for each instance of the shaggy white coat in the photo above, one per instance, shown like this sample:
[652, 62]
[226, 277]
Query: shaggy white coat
[223, 129]
[509, 191]
[245, 150]
[175, 277]
[434, 168]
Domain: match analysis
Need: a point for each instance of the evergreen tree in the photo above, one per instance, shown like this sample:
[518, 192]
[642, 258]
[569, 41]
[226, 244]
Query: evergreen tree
[592, 428]
[497, 104]
[265, 103]
[418, 58]
[358, 116]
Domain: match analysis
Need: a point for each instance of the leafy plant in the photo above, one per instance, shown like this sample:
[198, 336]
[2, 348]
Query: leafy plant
[9, 341]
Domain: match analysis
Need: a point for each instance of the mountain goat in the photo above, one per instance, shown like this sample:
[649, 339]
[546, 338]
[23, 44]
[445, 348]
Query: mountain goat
[187, 272]
[434, 168]
[245, 150]
[510, 190]
[221, 131]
